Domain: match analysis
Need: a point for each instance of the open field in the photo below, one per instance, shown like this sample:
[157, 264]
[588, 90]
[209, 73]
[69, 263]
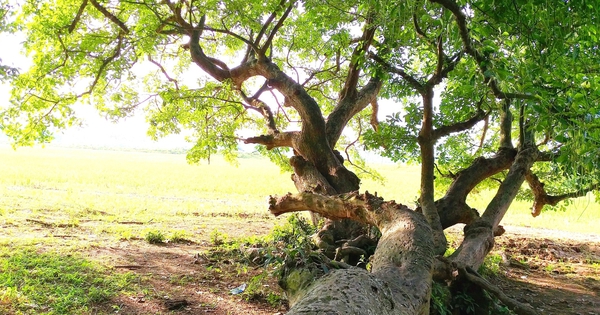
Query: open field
[78, 230]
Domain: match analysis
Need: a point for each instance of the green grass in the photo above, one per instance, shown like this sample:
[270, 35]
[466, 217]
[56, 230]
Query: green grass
[70, 185]
[35, 282]
[58, 205]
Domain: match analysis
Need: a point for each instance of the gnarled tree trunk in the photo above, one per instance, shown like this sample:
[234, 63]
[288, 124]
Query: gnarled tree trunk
[401, 268]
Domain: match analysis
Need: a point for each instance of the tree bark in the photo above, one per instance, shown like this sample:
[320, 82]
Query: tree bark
[401, 268]
[479, 236]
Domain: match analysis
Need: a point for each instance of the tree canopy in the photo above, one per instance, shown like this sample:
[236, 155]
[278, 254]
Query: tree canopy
[478, 92]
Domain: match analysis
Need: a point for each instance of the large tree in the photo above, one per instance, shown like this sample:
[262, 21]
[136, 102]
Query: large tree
[517, 86]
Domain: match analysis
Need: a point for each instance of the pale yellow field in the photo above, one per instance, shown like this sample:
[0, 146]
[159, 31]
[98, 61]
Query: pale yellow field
[74, 184]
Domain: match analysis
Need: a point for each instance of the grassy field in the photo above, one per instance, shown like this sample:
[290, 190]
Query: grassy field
[75, 185]
[68, 217]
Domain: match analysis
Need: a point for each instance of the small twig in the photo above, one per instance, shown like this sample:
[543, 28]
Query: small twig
[132, 267]
[131, 222]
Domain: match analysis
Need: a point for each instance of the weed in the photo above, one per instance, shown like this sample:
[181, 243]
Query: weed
[440, 299]
[464, 302]
[179, 236]
[217, 238]
[491, 265]
[155, 237]
[257, 291]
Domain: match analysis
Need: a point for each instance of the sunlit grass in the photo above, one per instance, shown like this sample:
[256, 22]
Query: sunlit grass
[34, 282]
[72, 186]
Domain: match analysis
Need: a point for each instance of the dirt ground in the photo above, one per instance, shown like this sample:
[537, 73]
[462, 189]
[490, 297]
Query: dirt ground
[557, 273]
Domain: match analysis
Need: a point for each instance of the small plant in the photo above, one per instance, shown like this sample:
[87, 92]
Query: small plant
[217, 238]
[440, 299]
[155, 237]
[179, 237]
[465, 303]
[491, 265]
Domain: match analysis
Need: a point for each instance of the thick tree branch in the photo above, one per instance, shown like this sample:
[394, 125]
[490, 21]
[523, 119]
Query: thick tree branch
[275, 140]
[349, 89]
[345, 206]
[548, 156]
[418, 29]
[110, 16]
[506, 120]
[452, 207]
[349, 107]
[201, 59]
[479, 235]
[256, 104]
[541, 198]
[400, 278]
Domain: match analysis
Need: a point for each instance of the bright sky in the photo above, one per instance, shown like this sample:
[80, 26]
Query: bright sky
[96, 131]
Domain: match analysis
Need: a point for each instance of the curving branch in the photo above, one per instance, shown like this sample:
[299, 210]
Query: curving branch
[105, 64]
[407, 77]
[207, 64]
[349, 89]
[110, 16]
[268, 22]
[164, 72]
[275, 29]
[349, 107]
[460, 126]
[257, 105]
[345, 206]
[541, 197]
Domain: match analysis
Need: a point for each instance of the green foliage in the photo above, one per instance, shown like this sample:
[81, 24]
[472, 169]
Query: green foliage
[257, 291]
[155, 237]
[218, 238]
[491, 265]
[132, 59]
[54, 283]
[440, 299]
[464, 302]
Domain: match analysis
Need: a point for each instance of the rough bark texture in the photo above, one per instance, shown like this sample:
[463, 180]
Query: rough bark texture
[453, 207]
[401, 272]
[479, 236]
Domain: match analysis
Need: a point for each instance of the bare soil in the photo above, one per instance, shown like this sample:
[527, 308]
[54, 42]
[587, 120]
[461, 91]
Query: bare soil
[556, 272]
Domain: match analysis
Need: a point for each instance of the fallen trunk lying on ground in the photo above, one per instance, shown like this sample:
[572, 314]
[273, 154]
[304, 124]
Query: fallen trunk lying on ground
[399, 281]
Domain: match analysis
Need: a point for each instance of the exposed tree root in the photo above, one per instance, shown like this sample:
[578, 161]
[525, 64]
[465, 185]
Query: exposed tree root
[516, 306]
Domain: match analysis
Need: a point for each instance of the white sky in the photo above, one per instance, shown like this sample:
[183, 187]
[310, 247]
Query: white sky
[96, 131]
